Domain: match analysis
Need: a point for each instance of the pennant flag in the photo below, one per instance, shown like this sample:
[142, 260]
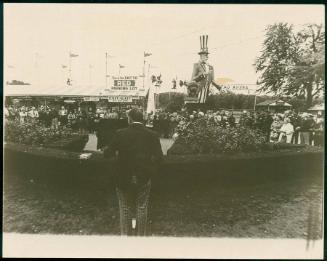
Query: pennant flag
[10, 66]
[147, 54]
[63, 66]
[73, 55]
[121, 66]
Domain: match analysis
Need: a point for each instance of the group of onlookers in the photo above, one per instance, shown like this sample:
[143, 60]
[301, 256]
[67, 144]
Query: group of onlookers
[287, 127]
[52, 117]
[291, 127]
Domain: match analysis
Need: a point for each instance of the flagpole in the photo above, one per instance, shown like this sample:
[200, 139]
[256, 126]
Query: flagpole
[106, 70]
[70, 68]
[90, 67]
[37, 69]
[143, 68]
[62, 74]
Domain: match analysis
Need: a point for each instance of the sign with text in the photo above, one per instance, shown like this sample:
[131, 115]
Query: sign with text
[120, 98]
[240, 88]
[125, 83]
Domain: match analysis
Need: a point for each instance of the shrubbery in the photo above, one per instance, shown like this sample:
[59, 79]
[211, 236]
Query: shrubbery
[204, 136]
[34, 134]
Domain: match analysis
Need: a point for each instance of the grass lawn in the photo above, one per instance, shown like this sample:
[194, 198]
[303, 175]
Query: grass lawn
[275, 208]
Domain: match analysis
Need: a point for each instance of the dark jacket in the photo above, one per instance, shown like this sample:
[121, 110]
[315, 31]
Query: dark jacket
[138, 153]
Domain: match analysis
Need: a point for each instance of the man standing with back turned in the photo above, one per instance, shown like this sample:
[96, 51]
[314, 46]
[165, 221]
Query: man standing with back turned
[138, 154]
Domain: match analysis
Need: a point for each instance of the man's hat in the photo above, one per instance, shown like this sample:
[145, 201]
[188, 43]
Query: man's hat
[204, 44]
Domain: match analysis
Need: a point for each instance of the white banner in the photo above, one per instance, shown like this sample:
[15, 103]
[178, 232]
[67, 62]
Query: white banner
[120, 98]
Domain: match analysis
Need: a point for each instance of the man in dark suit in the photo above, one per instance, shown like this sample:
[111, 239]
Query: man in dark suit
[138, 154]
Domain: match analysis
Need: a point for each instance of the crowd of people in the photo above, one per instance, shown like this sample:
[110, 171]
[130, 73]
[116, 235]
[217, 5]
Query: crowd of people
[82, 120]
[287, 127]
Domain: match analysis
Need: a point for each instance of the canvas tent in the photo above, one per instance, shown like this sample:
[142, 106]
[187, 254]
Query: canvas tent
[275, 105]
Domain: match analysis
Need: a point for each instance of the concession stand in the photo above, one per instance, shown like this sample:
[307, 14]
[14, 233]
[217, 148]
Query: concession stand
[108, 104]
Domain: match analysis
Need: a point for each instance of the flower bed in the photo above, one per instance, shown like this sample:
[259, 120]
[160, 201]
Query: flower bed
[32, 133]
[204, 136]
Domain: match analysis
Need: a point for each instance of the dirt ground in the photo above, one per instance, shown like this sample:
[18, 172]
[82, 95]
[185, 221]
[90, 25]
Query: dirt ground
[290, 208]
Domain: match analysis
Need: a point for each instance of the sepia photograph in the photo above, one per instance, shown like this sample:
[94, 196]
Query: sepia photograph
[163, 130]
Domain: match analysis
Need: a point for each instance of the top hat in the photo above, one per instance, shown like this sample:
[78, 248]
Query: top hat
[204, 44]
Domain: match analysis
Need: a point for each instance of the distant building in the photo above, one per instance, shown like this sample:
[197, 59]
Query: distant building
[274, 105]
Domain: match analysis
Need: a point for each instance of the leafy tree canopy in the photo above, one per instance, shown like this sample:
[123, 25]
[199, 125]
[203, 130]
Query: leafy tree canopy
[292, 63]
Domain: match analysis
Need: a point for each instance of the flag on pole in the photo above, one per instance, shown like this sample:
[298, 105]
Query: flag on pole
[63, 66]
[121, 66]
[72, 55]
[147, 54]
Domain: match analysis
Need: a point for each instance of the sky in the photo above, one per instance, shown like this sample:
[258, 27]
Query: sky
[39, 37]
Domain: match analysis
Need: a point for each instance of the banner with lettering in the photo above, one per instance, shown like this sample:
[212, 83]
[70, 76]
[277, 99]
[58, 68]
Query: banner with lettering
[125, 83]
[120, 98]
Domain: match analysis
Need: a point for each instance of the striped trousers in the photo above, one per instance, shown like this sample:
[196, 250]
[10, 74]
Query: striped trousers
[203, 93]
[134, 201]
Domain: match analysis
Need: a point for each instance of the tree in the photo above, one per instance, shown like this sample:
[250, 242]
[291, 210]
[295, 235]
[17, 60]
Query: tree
[310, 72]
[292, 63]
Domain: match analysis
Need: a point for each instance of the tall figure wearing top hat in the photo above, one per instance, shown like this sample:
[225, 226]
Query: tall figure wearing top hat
[203, 73]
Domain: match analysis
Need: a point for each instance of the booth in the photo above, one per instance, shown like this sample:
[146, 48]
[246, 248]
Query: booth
[122, 93]
[276, 105]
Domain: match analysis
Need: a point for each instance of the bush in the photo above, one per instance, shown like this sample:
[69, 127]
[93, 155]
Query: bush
[34, 134]
[202, 136]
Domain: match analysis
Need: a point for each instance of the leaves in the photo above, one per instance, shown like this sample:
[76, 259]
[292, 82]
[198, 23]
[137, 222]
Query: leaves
[292, 63]
[205, 136]
[33, 133]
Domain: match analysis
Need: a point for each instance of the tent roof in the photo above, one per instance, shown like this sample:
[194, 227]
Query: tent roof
[317, 107]
[32, 90]
[274, 102]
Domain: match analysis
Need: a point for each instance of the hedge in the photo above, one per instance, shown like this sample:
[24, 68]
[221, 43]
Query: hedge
[177, 172]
